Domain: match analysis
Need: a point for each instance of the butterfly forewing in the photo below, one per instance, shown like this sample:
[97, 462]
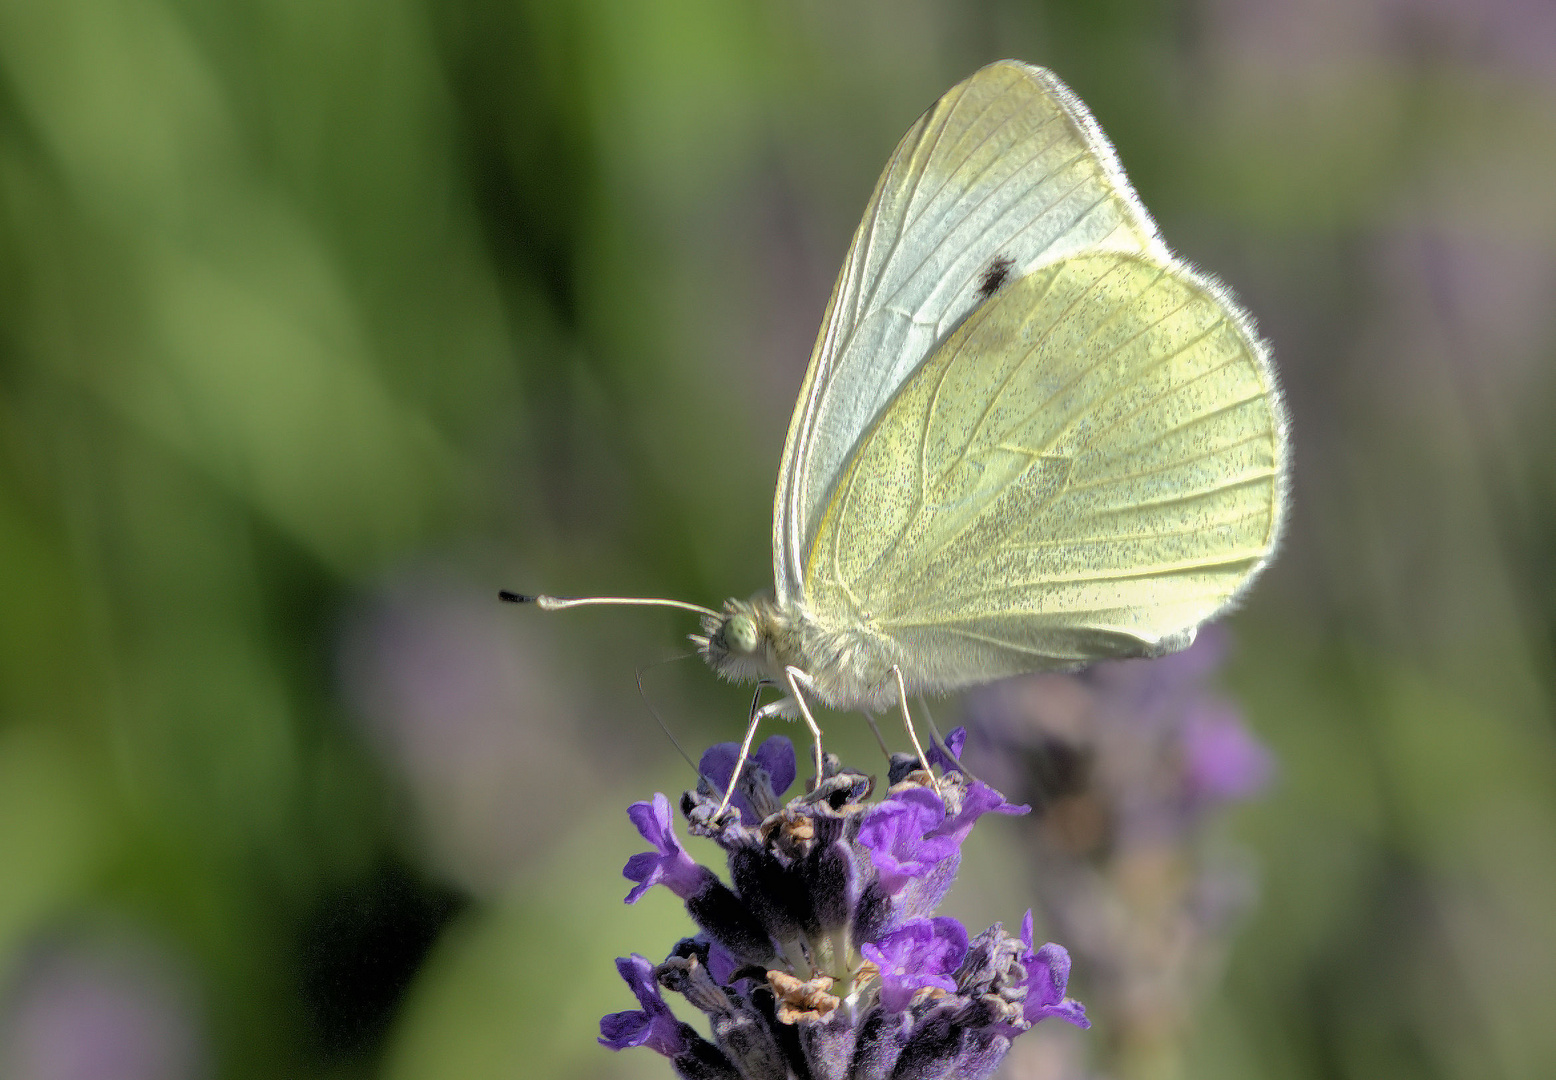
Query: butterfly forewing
[1005, 173]
[1089, 466]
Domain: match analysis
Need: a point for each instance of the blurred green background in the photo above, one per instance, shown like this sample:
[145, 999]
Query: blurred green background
[320, 320]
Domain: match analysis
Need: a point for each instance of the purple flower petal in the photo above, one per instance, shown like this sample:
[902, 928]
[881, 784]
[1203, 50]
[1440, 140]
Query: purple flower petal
[924, 952]
[668, 864]
[775, 757]
[654, 1025]
[1048, 974]
[977, 800]
[895, 833]
[721, 963]
[1222, 760]
[954, 742]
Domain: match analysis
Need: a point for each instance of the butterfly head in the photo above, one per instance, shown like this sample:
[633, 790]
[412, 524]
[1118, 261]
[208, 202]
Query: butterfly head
[738, 641]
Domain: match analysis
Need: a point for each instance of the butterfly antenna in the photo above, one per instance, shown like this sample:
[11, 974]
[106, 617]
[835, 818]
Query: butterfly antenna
[643, 693]
[869, 718]
[559, 603]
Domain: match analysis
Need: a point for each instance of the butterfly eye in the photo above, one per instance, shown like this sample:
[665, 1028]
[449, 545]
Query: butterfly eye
[740, 635]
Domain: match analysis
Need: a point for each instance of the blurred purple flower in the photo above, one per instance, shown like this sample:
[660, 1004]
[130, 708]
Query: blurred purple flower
[1146, 740]
[1508, 37]
[1496, 34]
[461, 700]
[1469, 305]
[1128, 764]
[103, 1010]
[1222, 760]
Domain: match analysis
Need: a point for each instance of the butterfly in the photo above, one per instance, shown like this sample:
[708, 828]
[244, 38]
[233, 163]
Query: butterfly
[1030, 437]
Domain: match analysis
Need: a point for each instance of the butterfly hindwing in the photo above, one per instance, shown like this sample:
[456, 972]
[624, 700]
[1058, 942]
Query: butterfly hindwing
[1089, 466]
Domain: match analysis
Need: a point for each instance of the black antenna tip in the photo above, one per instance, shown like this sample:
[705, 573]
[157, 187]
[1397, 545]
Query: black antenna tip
[509, 597]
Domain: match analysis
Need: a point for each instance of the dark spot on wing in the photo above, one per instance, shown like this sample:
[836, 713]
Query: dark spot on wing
[995, 276]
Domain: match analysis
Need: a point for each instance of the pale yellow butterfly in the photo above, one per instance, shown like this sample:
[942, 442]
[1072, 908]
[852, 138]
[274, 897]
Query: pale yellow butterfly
[1030, 437]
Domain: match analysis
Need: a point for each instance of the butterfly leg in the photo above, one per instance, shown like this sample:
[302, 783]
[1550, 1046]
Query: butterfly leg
[757, 716]
[907, 723]
[795, 678]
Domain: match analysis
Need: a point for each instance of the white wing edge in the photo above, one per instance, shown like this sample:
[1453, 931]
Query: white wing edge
[1098, 144]
[788, 569]
[1259, 346]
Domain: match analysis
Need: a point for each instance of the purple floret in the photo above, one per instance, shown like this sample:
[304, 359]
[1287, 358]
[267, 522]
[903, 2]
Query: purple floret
[775, 757]
[668, 864]
[654, 1025]
[924, 952]
[977, 800]
[955, 739]
[896, 833]
[1048, 975]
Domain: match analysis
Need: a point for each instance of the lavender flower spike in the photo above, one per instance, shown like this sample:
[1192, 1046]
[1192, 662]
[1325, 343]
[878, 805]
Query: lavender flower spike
[823, 958]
